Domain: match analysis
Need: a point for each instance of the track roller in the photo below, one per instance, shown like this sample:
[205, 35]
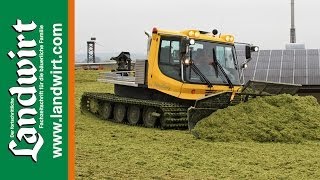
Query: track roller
[94, 106]
[150, 117]
[105, 111]
[119, 113]
[133, 114]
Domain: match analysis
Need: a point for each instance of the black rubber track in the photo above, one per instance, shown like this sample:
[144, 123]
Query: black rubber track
[172, 115]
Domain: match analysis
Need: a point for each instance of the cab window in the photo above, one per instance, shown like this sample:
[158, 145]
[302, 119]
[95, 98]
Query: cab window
[225, 56]
[169, 57]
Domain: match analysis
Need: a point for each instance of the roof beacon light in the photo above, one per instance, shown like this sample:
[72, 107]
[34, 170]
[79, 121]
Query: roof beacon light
[197, 34]
[191, 33]
[154, 30]
[227, 38]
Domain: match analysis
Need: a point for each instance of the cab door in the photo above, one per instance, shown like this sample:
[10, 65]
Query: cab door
[165, 75]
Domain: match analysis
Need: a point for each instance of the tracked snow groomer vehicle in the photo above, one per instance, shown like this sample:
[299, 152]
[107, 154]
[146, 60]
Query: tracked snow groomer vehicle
[187, 75]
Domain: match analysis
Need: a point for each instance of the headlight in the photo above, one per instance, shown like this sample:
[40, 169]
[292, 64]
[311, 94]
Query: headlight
[254, 48]
[192, 42]
[187, 61]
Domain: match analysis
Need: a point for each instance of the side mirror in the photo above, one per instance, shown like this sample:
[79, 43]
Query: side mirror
[248, 52]
[250, 49]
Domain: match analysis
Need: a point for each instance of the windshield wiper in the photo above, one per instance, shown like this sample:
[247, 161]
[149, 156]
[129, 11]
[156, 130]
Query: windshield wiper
[199, 73]
[216, 64]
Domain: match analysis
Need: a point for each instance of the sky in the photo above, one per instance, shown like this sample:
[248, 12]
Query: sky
[119, 25]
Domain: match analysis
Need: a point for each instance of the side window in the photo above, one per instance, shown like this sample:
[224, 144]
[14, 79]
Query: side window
[225, 56]
[229, 58]
[170, 52]
[220, 55]
[169, 58]
[175, 52]
[165, 52]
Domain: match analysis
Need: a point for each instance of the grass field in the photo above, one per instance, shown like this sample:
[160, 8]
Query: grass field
[105, 150]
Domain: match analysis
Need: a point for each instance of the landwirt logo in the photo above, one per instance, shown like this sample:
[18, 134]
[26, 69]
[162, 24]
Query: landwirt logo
[28, 139]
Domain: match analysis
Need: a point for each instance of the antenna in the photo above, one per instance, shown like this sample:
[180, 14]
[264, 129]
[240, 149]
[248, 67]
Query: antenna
[293, 29]
[91, 55]
[293, 44]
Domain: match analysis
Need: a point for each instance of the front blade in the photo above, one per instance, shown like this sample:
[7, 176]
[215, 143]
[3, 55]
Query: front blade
[269, 88]
[194, 115]
[206, 106]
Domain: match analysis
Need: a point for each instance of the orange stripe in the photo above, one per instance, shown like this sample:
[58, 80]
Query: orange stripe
[71, 95]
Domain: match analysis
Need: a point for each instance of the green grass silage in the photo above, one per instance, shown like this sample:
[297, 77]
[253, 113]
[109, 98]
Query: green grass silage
[281, 118]
[106, 150]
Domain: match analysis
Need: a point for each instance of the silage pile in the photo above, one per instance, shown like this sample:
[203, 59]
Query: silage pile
[281, 118]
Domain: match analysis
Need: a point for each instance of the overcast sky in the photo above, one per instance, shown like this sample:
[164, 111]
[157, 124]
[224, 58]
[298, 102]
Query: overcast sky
[119, 25]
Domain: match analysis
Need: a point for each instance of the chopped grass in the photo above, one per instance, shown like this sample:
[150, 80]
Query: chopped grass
[106, 150]
[281, 118]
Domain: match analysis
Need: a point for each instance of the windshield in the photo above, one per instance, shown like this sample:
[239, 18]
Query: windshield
[202, 56]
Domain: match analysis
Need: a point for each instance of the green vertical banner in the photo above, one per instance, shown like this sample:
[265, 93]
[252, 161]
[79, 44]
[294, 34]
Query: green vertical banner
[34, 89]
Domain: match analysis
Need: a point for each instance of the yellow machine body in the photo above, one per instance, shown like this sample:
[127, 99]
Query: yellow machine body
[177, 86]
[183, 90]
